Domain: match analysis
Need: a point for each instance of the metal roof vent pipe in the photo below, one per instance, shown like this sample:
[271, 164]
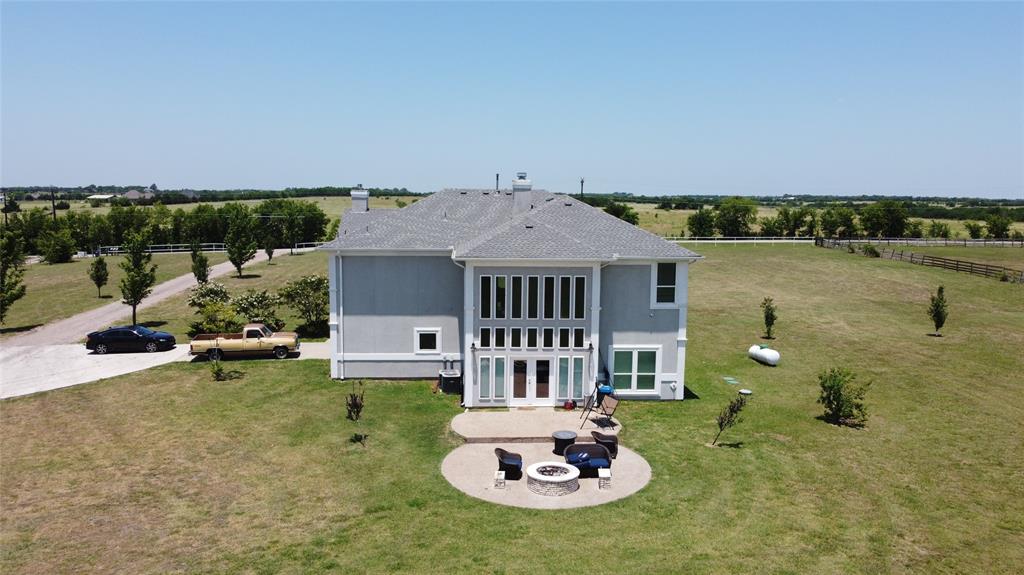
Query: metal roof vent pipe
[522, 193]
[360, 200]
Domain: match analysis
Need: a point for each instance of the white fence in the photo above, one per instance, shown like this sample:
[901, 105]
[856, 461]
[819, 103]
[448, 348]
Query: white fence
[740, 240]
[991, 243]
[181, 248]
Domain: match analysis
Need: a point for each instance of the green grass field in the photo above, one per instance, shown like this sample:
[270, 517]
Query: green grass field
[168, 471]
[59, 291]
[174, 316]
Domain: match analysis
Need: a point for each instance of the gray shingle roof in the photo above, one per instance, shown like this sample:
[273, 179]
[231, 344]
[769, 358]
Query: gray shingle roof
[483, 224]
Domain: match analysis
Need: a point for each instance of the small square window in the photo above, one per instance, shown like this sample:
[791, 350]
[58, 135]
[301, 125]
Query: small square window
[499, 338]
[517, 338]
[485, 337]
[428, 340]
[531, 338]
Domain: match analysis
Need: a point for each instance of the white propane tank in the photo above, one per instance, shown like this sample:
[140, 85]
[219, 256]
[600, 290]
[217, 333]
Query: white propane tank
[765, 355]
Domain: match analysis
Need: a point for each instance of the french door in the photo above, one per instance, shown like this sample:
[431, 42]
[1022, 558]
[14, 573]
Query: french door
[531, 381]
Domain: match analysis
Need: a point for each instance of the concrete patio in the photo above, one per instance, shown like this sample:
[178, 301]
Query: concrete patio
[528, 425]
[470, 468]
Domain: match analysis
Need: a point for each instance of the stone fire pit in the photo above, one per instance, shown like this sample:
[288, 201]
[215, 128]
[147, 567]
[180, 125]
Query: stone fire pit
[552, 478]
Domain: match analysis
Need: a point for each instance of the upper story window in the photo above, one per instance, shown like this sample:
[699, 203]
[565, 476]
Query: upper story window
[532, 297]
[664, 284]
[485, 297]
[580, 297]
[499, 296]
[565, 297]
[549, 297]
[517, 297]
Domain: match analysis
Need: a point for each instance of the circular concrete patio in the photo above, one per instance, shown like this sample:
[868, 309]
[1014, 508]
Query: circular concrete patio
[470, 468]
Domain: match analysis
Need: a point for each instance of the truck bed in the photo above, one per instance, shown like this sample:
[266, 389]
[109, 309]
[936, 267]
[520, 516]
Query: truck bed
[209, 336]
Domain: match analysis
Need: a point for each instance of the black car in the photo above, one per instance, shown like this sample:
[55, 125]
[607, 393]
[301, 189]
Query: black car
[129, 338]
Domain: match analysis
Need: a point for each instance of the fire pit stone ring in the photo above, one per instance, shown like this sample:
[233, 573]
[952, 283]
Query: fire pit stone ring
[552, 478]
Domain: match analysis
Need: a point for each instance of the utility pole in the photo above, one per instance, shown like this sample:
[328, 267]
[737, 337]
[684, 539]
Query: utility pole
[581, 188]
[497, 179]
[53, 206]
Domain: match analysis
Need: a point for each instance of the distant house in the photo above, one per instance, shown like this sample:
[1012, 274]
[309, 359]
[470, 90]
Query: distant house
[138, 195]
[536, 295]
[101, 197]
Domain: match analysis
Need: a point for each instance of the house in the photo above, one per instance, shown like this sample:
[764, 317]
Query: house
[535, 295]
[139, 195]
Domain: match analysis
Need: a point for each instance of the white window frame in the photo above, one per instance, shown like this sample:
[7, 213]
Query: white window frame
[543, 336]
[504, 303]
[490, 338]
[490, 296]
[655, 304]
[511, 296]
[635, 348]
[512, 333]
[558, 299]
[536, 338]
[490, 375]
[572, 312]
[568, 338]
[504, 336]
[544, 299]
[540, 297]
[416, 340]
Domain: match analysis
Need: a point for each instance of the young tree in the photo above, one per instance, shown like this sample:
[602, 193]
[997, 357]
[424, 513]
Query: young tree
[937, 310]
[139, 276]
[736, 216]
[308, 295]
[842, 397]
[701, 223]
[207, 293]
[975, 230]
[937, 229]
[239, 242]
[258, 306]
[838, 222]
[200, 264]
[886, 218]
[772, 226]
[998, 225]
[730, 416]
[12, 270]
[98, 274]
[768, 307]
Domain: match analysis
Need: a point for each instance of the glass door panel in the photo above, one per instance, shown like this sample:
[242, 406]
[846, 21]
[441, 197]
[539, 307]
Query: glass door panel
[543, 385]
[519, 379]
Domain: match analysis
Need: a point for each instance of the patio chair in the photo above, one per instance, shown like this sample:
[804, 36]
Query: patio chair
[510, 463]
[588, 456]
[605, 409]
[610, 442]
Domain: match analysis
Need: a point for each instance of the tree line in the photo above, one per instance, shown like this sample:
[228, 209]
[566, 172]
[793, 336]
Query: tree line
[275, 223]
[737, 217]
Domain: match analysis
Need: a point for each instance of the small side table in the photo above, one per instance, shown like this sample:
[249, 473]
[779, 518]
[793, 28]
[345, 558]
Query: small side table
[563, 439]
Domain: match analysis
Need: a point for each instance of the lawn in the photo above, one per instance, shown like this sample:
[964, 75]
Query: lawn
[168, 471]
[174, 316]
[54, 292]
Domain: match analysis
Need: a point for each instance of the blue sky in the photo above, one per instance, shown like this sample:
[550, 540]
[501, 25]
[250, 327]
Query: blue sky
[906, 98]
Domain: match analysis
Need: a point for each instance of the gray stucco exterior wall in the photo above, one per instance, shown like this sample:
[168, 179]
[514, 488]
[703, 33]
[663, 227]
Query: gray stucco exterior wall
[628, 319]
[385, 298]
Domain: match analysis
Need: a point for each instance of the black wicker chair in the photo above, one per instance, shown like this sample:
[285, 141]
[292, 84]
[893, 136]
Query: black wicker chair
[510, 463]
[597, 457]
[610, 442]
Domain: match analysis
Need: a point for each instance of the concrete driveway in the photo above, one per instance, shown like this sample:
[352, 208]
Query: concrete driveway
[27, 370]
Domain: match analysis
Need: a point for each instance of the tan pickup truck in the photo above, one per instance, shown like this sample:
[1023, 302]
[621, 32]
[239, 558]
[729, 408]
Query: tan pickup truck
[254, 338]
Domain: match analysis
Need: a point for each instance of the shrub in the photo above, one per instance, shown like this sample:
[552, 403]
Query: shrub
[870, 251]
[308, 295]
[12, 271]
[842, 397]
[729, 416]
[258, 306]
[701, 223]
[217, 371]
[975, 230]
[200, 265]
[623, 212]
[354, 403]
[400, 203]
[62, 205]
[59, 247]
[937, 309]
[938, 229]
[215, 317]
[768, 307]
[206, 293]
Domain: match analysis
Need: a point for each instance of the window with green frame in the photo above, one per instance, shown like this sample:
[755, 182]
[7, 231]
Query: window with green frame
[635, 369]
